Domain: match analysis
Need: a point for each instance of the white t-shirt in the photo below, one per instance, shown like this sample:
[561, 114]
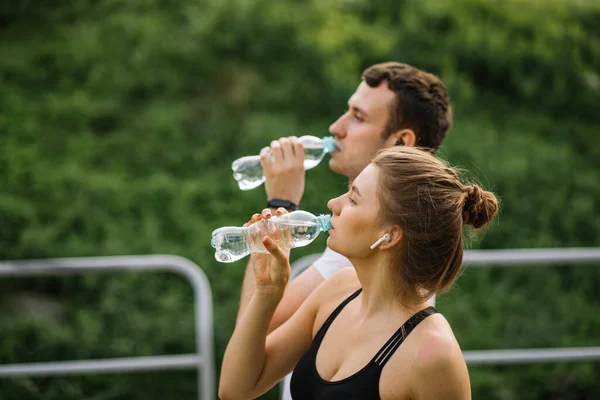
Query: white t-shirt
[331, 262]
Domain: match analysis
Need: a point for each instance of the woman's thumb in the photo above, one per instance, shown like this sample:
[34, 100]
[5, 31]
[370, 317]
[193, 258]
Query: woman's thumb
[273, 248]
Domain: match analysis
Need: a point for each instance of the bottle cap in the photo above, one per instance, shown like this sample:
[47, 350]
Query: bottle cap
[329, 144]
[324, 222]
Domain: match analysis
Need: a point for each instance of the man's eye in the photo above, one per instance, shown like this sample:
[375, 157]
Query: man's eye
[358, 118]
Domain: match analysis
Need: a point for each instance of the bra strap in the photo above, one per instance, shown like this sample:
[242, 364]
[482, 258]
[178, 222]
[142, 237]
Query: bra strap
[335, 313]
[388, 349]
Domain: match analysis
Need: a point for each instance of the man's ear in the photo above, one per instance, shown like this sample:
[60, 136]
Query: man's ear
[403, 137]
[395, 237]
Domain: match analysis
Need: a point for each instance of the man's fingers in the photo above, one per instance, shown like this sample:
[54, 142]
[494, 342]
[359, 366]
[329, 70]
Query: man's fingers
[276, 152]
[297, 148]
[264, 152]
[286, 149]
[265, 157]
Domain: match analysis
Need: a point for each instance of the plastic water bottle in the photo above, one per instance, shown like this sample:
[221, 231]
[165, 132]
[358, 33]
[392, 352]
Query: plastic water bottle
[296, 229]
[248, 172]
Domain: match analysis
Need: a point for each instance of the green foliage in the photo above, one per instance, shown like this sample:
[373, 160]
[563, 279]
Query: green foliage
[119, 121]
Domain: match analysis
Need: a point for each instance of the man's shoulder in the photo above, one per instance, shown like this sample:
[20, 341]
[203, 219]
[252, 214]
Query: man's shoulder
[329, 254]
[330, 263]
[342, 281]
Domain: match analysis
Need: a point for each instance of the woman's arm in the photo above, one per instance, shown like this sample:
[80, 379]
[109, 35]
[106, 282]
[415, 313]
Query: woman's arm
[253, 363]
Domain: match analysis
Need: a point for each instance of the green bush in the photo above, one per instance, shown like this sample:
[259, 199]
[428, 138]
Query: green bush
[119, 121]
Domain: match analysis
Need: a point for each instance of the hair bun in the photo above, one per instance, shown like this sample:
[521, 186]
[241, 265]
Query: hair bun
[479, 206]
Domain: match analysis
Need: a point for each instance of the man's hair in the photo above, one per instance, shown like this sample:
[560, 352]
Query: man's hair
[421, 102]
[424, 196]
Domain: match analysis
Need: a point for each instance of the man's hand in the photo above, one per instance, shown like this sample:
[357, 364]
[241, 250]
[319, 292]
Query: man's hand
[283, 167]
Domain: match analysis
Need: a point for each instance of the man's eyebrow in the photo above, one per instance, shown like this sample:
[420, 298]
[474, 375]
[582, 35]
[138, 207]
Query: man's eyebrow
[357, 109]
[355, 190]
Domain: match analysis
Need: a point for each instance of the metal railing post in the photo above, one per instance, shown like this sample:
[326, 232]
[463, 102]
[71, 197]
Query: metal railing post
[203, 359]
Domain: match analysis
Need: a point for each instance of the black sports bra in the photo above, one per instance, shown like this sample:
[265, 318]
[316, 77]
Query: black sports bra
[307, 384]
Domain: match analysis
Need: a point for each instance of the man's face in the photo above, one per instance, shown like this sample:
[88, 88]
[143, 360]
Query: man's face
[358, 131]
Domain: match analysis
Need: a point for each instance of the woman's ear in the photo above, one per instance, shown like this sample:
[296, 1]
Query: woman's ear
[395, 235]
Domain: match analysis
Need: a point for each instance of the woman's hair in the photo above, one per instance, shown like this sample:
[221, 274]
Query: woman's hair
[424, 197]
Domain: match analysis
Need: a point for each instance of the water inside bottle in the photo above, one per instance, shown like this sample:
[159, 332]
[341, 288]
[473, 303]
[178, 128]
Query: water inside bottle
[248, 172]
[230, 244]
[233, 243]
[313, 156]
[302, 233]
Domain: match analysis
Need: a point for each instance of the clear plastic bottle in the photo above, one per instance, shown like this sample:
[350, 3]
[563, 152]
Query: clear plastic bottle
[248, 172]
[296, 229]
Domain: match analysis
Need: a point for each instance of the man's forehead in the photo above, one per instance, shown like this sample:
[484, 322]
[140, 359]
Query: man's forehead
[368, 98]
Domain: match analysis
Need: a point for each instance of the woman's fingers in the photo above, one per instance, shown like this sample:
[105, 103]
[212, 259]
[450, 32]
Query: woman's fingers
[253, 219]
[274, 249]
[266, 213]
[281, 211]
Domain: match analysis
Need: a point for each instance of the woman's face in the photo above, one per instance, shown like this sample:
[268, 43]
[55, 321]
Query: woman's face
[354, 223]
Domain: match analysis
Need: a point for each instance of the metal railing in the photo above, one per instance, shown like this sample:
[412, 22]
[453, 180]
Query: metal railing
[202, 360]
[529, 257]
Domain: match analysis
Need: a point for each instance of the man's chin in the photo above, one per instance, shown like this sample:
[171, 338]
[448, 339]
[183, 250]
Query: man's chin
[335, 166]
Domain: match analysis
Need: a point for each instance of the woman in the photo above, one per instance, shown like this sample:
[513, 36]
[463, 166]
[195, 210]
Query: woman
[368, 332]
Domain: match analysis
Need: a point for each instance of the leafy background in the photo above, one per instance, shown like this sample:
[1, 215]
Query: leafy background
[119, 121]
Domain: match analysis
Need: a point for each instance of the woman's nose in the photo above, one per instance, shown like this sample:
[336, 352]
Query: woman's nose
[332, 205]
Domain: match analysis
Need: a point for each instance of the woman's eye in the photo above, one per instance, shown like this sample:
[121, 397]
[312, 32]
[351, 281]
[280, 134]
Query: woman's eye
[351, 200]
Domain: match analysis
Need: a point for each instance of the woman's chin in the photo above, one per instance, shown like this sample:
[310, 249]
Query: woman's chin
[328, 242]
[331, 244]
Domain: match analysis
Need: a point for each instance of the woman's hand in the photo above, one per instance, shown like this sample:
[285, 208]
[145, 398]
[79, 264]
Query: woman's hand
[271, 271]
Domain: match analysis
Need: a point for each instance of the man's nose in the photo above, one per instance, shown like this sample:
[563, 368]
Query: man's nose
[337, 128]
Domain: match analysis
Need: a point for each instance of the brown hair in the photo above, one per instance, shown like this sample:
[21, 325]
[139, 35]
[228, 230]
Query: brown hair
[421, 102]
[424, 197]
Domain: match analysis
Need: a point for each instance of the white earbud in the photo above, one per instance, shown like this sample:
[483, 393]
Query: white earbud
[384, 238]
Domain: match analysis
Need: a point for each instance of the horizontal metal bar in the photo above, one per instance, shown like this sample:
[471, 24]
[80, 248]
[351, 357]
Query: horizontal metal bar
[520, 257]
[111, 365]
[529, 356]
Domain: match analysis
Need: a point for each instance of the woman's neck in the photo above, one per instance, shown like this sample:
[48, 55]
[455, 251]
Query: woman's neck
[380, 290]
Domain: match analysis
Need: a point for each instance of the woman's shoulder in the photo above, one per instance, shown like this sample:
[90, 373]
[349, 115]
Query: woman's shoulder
[437, 360]
[436, 343]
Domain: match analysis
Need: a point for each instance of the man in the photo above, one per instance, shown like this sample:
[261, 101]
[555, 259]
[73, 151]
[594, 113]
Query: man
[395, 104]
